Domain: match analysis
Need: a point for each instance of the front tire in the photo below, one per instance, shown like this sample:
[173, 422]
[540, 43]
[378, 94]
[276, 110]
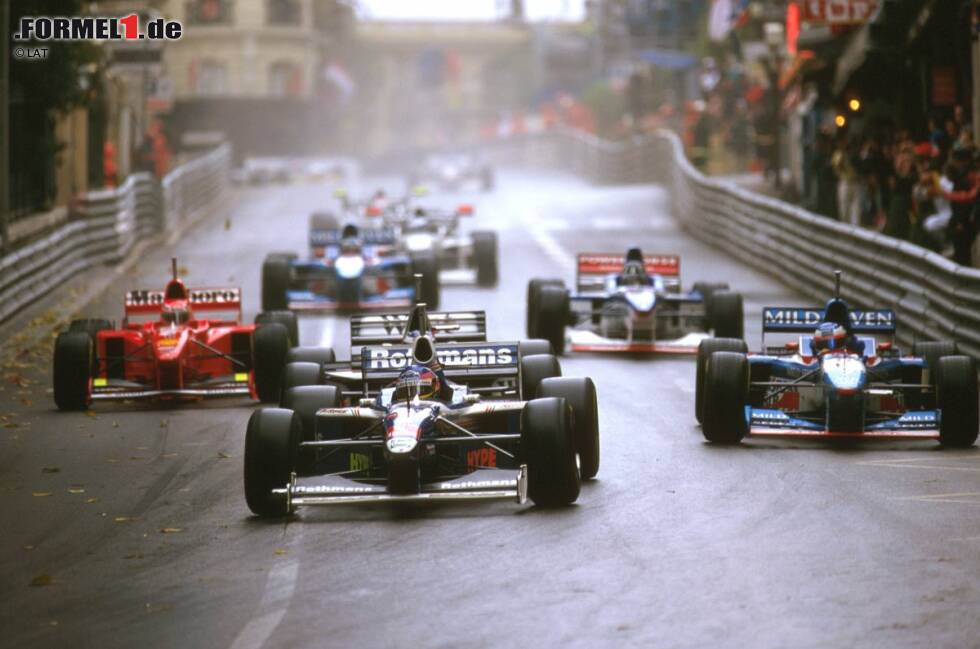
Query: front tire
[725, 395]
[956, 399]
[549, 450]
[931, 351]
[580, 394]
[74, 356]
[271, 441]
[533, 291]
[727, 316]
[286, 319]
[706, 348]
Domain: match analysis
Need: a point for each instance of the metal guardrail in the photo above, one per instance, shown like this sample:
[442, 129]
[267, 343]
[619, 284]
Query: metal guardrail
[107, 224]
[934, 298]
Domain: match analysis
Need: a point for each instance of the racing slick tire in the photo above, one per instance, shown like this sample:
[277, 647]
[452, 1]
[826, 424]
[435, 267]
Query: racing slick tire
[286, 319]
[956, 399]
[706, 348]
[931, 351]
[551, 316]
[295, 375]
[534, 369]
[428, 266]
[270, 344]
[276, 271]
[580, 394]
[485, 256]
[271, 442]
[305, 400]
[324, 221]
[726, 389]
[533, 346]
[533, 291]
[707, 291]
[548, 448]
[73, 359]
[727, 317]
[91, 326]
[320, 355]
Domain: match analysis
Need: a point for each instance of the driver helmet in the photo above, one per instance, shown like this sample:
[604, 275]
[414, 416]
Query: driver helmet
[175, 314]
[634, 274]
[829, 336]
[416, 381]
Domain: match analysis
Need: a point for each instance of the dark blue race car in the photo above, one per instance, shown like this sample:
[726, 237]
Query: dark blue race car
[350, 269]
[838, 379]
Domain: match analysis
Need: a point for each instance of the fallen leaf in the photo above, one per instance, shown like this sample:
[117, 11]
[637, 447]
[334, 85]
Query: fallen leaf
[54, 623]
[169, 455]
[50, 469]
[41, 494]
[111, 460]
[164, 423]
[136, 457]
[42, 580]
[115, 424]
[171, 530]
[281, 552]
[123, 519]
[91, 500]
[27, 402]
[138, 555]
[223, 456]
[76, 490]
[28, 547]
[91, 413]
[10, 425]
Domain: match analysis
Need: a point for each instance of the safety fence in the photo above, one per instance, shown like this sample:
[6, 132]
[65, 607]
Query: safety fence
[933, 298]
[104, 226]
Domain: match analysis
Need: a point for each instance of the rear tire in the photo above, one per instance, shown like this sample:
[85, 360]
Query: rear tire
[725, 395]
[533, 291]
[956, 399]
[549, 450]
[727, 317]
[324, 221]
[580, 394]
[295, 375]
[535, 369]
[551, 316]
[271, 441]
[428, 266]
[276, 273]
[270, 344]
[74, 356]
[533, 347]
[320, 355]
[485, 255]
[305, 401]
[286, 319]
[706, 348]
[931, 351]
[707, 291]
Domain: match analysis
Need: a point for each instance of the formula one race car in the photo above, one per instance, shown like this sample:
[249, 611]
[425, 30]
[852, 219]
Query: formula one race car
[464, 258]
[426, 410]
[350, 269]
[177, 343]
[631, 304]
[452, 170]
[834, 382]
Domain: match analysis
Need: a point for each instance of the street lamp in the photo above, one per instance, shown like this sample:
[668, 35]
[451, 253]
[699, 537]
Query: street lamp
[774, 34]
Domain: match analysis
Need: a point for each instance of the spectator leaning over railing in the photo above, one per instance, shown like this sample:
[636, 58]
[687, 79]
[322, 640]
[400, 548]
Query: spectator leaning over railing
[850, 190]
[962, 198]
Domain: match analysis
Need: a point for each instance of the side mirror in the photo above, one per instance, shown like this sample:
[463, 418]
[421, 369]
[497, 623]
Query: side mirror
[465, 210]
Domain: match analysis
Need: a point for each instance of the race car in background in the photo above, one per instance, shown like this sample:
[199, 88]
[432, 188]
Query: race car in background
[451, 171]
[631, 303]
[464, 257]
[349, 269]
[426, 410]
[838, 379]
[173, 344]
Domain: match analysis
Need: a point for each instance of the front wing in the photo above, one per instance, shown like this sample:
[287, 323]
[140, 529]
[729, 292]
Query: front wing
[589, 341]
[239, 384]
[917, 425]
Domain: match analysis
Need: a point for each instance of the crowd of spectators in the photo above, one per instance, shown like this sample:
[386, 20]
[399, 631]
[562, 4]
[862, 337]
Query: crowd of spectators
[920, 189]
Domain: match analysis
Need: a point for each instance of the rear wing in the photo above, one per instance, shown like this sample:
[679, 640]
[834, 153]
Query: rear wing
[806, 320]
[374, 236]
[459, 360]
[449, 326]
[592, 268]
[144, 302]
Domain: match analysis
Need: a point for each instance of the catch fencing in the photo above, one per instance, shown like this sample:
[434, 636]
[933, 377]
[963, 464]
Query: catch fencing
[104, 226]
[934, 298]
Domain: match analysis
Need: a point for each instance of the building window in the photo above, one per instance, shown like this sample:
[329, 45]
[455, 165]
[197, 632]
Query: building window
[283, 12]
[285, 80]
[208, 12]
[210, 78]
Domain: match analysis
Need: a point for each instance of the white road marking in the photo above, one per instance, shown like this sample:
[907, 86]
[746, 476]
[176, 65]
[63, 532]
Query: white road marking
[684, 385]
[553, 249]
[279, 588]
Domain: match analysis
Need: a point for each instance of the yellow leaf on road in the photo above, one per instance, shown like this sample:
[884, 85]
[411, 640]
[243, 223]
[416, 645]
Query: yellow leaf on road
[42, 580]
[76, 490]
[171, 530]
[50, 469]
[41, 494]
[123, 519]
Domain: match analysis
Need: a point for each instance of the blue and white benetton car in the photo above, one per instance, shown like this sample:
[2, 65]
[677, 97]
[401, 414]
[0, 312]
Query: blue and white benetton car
[836, 380]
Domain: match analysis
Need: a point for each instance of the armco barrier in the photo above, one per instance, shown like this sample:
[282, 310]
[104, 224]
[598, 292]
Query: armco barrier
[105, 225]
[934, 298]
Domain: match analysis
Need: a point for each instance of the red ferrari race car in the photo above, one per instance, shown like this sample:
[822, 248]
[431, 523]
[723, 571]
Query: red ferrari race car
[177, 343]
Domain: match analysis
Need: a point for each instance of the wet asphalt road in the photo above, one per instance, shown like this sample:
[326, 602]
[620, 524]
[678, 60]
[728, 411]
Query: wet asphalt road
[131, 524]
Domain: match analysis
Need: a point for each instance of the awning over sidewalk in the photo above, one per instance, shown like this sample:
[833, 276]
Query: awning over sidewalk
[669, 59]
